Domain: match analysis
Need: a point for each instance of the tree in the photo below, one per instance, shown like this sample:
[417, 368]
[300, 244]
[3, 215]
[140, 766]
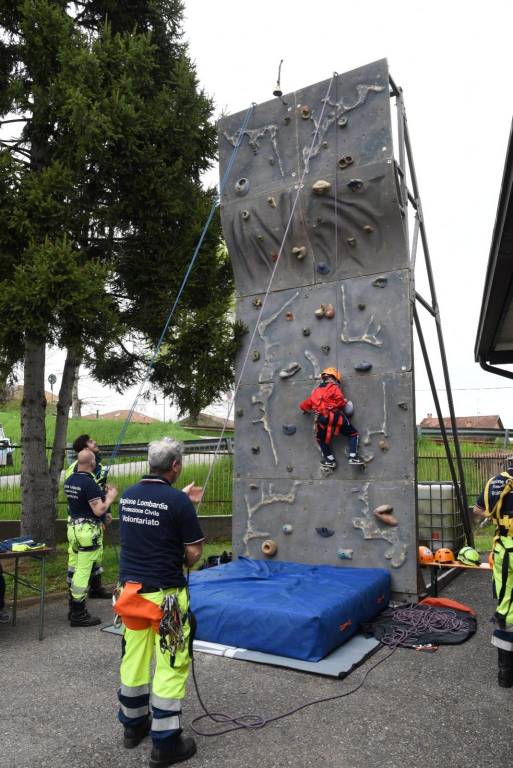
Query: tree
[100, 208]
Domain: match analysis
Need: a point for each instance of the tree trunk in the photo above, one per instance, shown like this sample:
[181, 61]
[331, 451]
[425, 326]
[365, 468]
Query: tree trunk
[76, 404]
[37, 499]
[61, 423]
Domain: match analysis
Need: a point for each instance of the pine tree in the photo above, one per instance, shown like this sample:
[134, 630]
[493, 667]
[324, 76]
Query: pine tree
[104, 136]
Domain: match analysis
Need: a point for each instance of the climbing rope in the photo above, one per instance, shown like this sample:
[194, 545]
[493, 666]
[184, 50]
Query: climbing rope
[419, 619]
[266, 295]
[210, 216]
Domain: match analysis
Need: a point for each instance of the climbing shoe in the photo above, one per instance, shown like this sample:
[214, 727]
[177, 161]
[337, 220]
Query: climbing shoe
[134, 734]
[96, 589]
[80, 616]
[176, 750]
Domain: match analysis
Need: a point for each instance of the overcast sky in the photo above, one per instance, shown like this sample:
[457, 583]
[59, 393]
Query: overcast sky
[454, 63]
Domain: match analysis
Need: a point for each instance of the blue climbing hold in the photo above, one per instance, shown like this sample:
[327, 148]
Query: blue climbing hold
[323, 268]
[289, 429]
[325, 532]
[363, 366]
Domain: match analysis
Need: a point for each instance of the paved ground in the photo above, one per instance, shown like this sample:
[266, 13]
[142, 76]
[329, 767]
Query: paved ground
[58, 703]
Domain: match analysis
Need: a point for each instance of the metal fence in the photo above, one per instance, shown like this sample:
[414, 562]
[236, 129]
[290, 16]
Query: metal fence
[130, 464]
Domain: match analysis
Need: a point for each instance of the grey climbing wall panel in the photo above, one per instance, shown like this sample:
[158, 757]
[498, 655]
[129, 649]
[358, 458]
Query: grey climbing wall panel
[340, 296]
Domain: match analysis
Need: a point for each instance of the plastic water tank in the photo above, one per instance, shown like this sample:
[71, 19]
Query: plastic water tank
[440, 523]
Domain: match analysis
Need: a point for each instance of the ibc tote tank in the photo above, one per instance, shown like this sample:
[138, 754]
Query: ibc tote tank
[440, 524]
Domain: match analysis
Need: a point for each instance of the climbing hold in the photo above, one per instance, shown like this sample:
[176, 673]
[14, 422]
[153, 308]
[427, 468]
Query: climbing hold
[289, 429]
[326, 349]
[255, 355]
[325, 532]
[380, 282]
[355, 185]
[254, 486]
[330, 311]
[274, 255]
[404, 406]
[287, 529]
[323, 268]
[269, 548]
[245, 215]
[299, 251]
[290, 370]
[305, 112]
[257, 302]
[306, 331]
[383, 445]
[361, 307]
[271, 161]
[345, 554]
[368, 228]
[345, 161]
[325, 145]
[272, 202]
[351, 241]
[320, 311]
[260, 237]
[384, 513]
[242, 187]
[239, 412]
[363, 366]
[286, 120]
[255, 449]
[342, 122]
[321, 187]
[290, 468]
[289, 316]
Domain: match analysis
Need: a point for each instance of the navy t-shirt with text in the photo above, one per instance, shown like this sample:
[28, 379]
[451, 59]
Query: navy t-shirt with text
[156, 522]
[81, 488]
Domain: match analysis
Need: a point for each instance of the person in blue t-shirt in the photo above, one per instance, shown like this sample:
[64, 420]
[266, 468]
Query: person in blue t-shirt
[96, 588]
[159, 535]
[87, 504]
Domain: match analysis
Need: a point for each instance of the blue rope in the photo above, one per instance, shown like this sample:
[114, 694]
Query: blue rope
[210, 216]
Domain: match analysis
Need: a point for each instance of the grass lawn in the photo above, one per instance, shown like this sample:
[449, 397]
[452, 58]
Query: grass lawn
[56, 568]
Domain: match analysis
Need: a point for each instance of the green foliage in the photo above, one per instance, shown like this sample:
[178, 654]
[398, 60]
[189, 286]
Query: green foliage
[100, 197]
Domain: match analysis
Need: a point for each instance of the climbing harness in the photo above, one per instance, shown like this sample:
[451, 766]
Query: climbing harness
[171, 630]
[504, 523]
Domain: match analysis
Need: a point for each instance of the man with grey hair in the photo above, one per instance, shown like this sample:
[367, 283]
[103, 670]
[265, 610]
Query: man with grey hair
[159, 535]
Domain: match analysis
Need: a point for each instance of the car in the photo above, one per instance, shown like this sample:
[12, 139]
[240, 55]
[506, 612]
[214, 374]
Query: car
[6, 449]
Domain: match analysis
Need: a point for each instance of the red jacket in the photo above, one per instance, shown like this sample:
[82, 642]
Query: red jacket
[324, 399]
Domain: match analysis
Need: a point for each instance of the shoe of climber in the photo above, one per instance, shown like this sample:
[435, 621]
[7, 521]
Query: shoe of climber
[355, 459]
[328, 461]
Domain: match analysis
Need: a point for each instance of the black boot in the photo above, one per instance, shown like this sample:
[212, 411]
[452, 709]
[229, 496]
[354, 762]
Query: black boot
[134, 734]
[80, 616]
[176, 750]
[505, 677]
[70, 605]
[96, 589]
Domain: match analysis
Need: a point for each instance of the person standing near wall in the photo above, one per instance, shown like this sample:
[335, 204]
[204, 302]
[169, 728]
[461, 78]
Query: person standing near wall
[87, 504]
[159, 535]
[496, 502]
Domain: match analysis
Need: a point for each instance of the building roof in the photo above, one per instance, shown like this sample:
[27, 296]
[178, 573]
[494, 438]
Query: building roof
[139, 418]
[494, 340]
[464, 422]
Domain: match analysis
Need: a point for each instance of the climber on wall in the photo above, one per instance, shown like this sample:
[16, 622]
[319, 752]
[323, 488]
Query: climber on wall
[331, 409]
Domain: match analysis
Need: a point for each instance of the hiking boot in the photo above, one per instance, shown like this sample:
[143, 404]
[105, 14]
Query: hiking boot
[176, 750]
[80, 616]
[505, 676]
[96, 589]
[134, 734]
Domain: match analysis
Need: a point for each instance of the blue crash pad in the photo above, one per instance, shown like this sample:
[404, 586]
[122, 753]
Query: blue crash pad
[289, 609]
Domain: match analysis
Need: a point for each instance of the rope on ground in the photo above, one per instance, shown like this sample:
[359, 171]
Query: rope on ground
[210, 216]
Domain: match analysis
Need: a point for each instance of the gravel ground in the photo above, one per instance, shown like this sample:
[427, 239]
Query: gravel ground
[58, 703]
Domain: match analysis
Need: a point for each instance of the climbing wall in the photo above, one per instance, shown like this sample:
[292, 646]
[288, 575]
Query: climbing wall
[340, 296]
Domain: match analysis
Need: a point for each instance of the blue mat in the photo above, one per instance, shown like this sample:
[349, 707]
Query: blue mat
[288, 609]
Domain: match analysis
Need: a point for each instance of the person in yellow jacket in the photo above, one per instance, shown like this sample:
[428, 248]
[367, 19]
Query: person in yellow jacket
[159, 535]
[496, 502]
